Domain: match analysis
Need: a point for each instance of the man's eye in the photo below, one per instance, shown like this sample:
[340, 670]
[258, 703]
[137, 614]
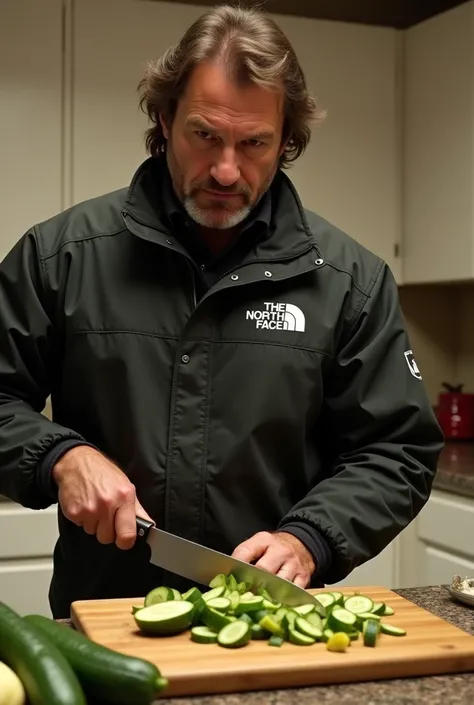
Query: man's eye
[202, 134]
[253, 143]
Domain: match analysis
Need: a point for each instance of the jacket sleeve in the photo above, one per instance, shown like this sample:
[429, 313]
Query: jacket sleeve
[378, 434]
[27, 361]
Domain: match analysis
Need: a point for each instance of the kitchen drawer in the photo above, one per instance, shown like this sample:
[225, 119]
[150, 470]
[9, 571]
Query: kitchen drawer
[448, 522]
[24, 585]
[26, 533]
[438, 567]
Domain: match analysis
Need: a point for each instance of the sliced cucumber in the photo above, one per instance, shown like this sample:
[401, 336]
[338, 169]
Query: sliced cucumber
[234, 599]
[258, 614]
[280, 613]
[159, 594]
[271, 606]
[135, 608]
[371, 632]
[388, 611]
[326, 599]
[269, 624]
[258, 633]
[193, 595]
[392, 630]
[203, 635]
[232, 583]
[299, 639]
[165, 618]
[338, 598]
[315, 620]
[249, 604]
[218, 581]
[176, 594]
[288, 621]
[215, 592]
[247, 618]
[214, 619]
[275, 641]
[304, 627]
[341, 620]
[378, 608]
[235, 635]
[304, 609]
[358, 603]
[219, 603]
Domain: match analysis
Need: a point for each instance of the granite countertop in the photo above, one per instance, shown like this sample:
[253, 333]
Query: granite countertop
[436, 690]
[456, 469]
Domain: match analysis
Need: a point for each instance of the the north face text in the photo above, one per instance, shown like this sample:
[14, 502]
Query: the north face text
[278, 317]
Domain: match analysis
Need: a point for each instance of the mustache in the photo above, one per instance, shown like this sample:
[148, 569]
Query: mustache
[213, 185]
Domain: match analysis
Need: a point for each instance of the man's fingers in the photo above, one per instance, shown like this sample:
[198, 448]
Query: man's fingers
[253, 548]
[272, 560]
[125, 525]
[301, 581]
[105, 531]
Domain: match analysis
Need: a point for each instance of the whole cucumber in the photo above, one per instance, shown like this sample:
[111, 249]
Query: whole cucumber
[47, 677]
[104, 674]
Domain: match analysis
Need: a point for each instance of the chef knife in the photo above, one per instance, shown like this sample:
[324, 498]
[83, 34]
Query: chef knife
[200, 564]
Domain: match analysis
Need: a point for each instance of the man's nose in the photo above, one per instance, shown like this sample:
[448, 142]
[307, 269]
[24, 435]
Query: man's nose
[226, 170]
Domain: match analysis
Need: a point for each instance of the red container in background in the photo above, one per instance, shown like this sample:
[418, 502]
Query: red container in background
[455, 413]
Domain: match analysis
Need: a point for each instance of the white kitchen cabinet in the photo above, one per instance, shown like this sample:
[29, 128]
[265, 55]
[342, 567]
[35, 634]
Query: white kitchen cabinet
[27, 540]
[350, 172]
[30, 115]
[438, 227]
[444, 539]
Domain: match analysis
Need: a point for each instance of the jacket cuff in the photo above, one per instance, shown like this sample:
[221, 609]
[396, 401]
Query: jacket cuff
[45, 469]
[315, 544]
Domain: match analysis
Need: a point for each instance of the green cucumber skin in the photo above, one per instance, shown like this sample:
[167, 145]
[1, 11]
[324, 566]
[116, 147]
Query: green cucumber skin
[104, 674]
[46, 674]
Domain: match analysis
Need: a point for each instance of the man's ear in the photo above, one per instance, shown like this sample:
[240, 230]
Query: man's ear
[164, 126]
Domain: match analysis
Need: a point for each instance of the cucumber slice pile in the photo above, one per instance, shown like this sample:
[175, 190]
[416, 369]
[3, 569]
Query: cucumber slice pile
[230, 615]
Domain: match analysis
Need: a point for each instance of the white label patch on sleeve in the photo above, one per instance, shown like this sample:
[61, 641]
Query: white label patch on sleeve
[413, 367]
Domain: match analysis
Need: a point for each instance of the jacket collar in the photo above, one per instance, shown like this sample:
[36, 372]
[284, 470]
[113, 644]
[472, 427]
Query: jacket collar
[288, 233]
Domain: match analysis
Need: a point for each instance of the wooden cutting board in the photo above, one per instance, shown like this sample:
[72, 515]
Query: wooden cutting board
[431, 646]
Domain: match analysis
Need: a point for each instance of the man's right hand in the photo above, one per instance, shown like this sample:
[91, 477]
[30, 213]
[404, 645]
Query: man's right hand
[95, 494]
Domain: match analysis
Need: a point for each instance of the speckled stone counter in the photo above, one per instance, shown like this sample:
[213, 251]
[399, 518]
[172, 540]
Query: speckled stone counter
[432, 690]
[456, 469]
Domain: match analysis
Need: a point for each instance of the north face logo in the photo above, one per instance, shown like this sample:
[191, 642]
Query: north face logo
[278, 317]
[413, 367]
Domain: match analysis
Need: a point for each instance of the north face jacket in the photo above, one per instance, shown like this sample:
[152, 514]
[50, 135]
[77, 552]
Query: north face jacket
[287, 393]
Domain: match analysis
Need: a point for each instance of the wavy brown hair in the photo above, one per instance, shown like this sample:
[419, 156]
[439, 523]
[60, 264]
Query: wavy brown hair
[254, 49]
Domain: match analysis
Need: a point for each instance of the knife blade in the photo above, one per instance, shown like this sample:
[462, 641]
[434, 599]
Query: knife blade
[201, 564]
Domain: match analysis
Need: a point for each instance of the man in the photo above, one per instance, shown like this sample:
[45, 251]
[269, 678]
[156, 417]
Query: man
[219, 359]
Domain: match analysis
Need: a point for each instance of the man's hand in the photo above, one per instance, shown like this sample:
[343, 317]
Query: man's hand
[279, 553]
[95, 494]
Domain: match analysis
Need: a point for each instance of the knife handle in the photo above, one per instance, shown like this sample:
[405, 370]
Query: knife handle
[143, 527]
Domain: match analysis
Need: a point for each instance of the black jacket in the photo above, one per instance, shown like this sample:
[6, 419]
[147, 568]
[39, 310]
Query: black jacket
[286, 395]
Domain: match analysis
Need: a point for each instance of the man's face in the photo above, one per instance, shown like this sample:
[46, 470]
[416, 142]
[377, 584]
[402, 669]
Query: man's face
[223, 146]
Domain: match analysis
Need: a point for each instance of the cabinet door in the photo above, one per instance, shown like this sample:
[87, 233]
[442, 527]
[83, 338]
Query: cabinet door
[350, 172]
[24, 585]
[438, 152]
[30, 115]
[437, 567]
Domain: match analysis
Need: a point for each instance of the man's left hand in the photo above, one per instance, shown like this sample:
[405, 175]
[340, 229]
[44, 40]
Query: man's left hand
[279, 553]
